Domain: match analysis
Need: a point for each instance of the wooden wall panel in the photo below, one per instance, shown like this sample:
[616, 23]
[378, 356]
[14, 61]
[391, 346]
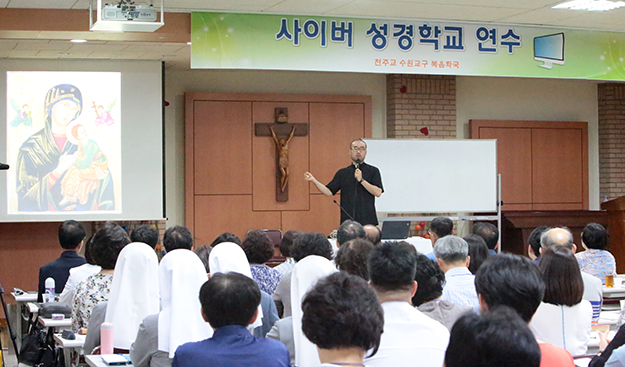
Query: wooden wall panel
[230, 173]
[264, 166]
[223, 147]
[514, 163]
[215, 214]
[332, 127]
[557, 166]
[323, 215]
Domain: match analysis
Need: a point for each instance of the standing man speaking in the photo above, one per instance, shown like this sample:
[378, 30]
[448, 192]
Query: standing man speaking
[359, 184]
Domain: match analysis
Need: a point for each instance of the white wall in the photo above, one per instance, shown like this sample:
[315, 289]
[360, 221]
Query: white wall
[533, 99]
[245, 81]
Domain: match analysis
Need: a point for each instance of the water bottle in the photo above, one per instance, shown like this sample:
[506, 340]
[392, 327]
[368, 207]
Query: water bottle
[50, 286]
[106, 338]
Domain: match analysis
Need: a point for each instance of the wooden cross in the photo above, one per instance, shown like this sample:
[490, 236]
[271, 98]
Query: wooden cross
[282, 133]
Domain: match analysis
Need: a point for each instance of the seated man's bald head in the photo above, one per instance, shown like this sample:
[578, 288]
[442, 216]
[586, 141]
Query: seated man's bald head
[560, 236]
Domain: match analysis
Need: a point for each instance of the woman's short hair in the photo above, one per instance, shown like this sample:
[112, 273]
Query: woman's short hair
[258, 247]
[563, 279]
[226, 237]
[430, 278]
[343, 311]
[287, 242]
[478, 251]
[352, 257]
[203, 252]
[497, 338]
[595, 236]
[107, 243]
[311, 243]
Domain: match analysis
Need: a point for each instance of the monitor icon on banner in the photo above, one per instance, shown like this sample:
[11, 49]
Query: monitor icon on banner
[549, 49]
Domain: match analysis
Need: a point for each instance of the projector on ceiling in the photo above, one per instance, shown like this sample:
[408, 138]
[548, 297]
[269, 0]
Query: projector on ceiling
[140, 13]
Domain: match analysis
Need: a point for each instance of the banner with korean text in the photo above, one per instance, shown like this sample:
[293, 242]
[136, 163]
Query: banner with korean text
[321, 43]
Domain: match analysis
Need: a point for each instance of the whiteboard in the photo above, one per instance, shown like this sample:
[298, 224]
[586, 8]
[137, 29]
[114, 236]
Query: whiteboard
[435, 176]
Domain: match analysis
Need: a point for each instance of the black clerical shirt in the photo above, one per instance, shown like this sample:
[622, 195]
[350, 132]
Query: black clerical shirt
[355, 198]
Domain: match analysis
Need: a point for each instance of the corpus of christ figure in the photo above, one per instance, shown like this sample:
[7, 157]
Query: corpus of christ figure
[282, 145]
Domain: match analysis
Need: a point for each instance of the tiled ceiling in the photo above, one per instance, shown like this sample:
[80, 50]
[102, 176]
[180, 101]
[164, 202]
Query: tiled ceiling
[524, 12]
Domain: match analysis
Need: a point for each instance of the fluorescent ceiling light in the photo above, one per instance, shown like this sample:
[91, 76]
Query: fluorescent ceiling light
[78, 41]
[590, 5]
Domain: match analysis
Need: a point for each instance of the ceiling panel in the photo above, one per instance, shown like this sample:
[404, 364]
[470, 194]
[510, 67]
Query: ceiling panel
[41, 4]
[300, 7]
[221, 5]
[543, 16]
[40, 45]
[404, 10]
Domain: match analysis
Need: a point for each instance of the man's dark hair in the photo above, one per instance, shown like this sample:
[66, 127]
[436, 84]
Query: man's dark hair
[71, 233]
[360, 140]
[229, 299]
[442, 226]
[107, 243]
[203, 252]
[534, 238]
[375, 237]
[146, 234]
[471, 343]
[392, 266]
[488, 232]
[478, 251]
[352, 257]
[595, 236]
[258, 247]
[563, 279]
[226, 237]
[311, 243]
[430, 279]
[342, 311]
[178, 237]
[348, 231]
[288, 239]
[513, 281]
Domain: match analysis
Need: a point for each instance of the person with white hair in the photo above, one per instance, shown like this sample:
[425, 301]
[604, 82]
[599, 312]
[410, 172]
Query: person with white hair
[452, 255]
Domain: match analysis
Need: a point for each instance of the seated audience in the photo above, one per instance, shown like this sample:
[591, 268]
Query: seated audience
[352, 257]
[533, 249]
[307, 244]
[495, 339]
[305, 275]
[409, 337]
[343, 318]
[203, 252]
[427, 299]
[226, 237]
[452, 255]
[71, 236]
[348, 231]
[180, 277]
[606, 350]
[285, 249]
[478, 251]
[563, 318]
[514, 281]
[439, 228]
[489, 233]
[596, 260]
[373, 234]
[107, 243]
[258, 248]
[177, 237]
[229, 257]
[593, 290]
[145, 233]
[134, 295]
[78, 274]
[229, 304]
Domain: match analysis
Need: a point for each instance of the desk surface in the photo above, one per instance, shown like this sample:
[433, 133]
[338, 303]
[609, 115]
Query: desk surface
[96, 360]
[55, 323]
[79, 342]
[26, 297]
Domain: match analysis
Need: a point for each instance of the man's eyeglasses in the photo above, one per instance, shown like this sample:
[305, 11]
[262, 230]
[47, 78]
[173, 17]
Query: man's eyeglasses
[362, 149]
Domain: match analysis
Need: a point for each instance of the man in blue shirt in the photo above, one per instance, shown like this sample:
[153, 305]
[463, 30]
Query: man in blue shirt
[229, 304]
[489, 233]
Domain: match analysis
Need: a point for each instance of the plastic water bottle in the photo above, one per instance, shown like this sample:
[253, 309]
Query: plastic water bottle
[106, 338]
[50, 286]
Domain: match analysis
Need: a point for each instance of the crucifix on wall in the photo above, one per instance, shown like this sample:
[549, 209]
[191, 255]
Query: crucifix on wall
[282, 132]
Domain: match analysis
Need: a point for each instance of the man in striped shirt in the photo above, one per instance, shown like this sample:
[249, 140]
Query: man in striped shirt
[452, 255]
